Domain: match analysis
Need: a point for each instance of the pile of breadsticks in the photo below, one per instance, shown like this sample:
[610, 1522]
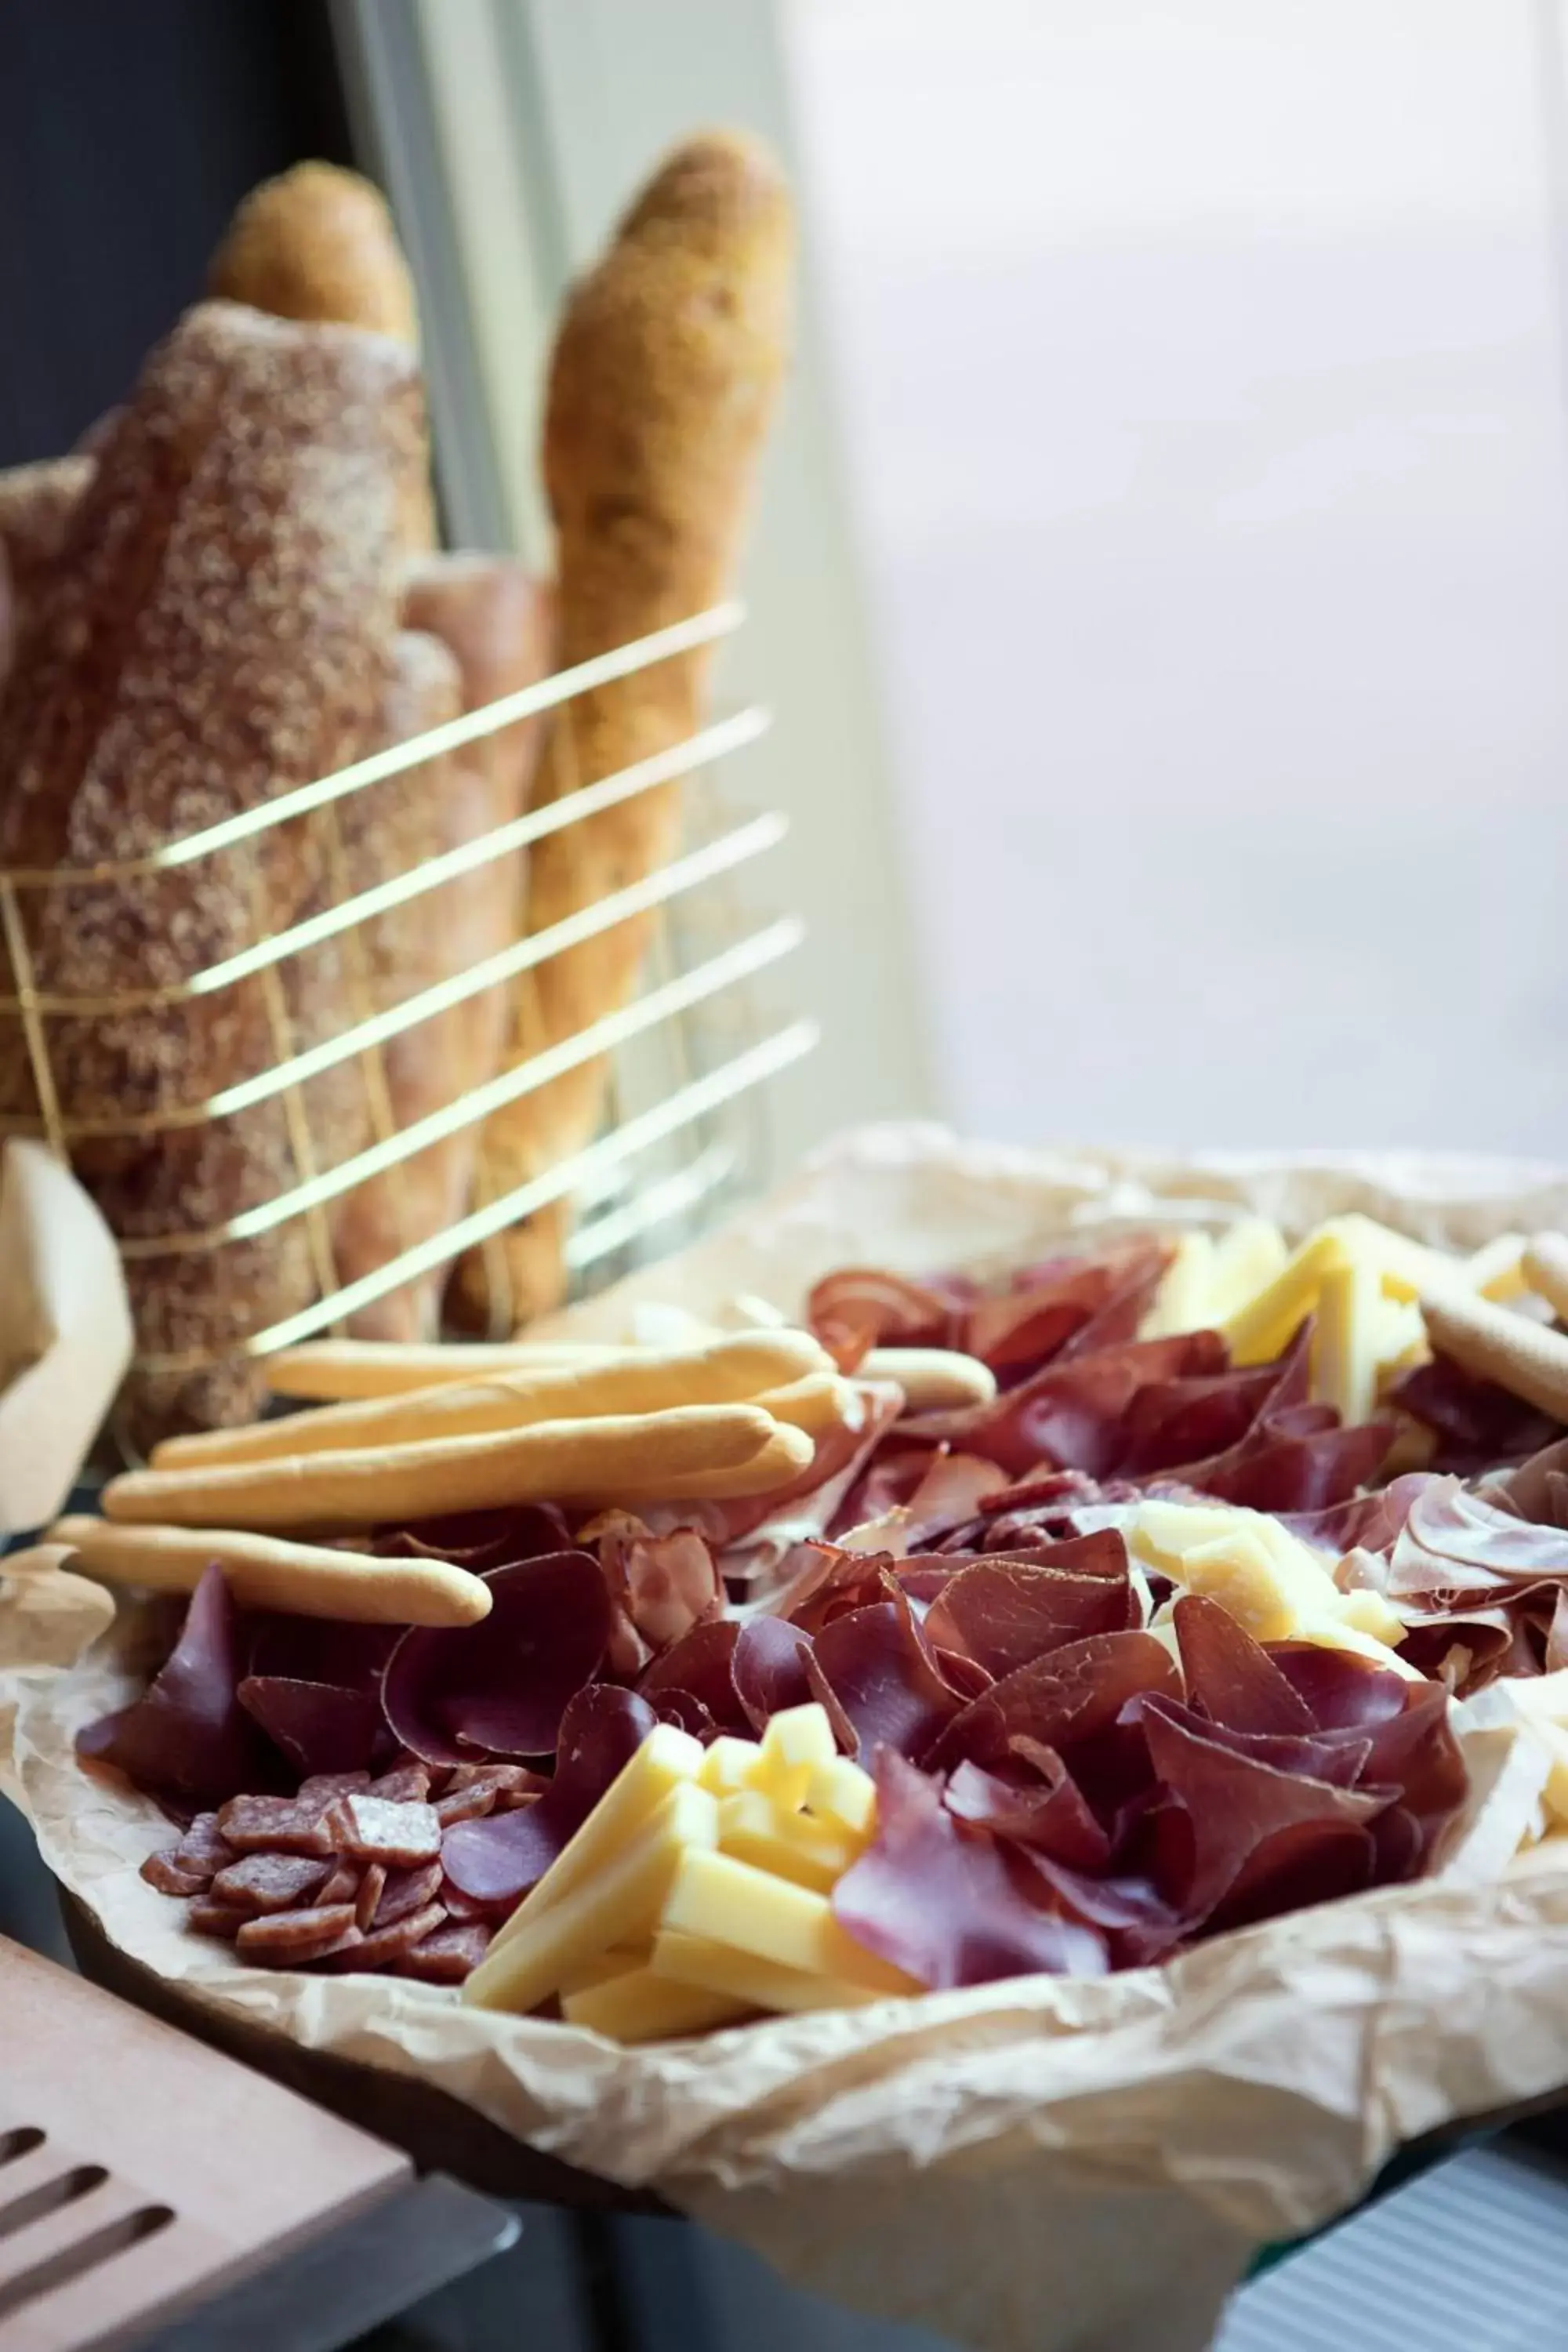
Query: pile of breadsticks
[411, 1433]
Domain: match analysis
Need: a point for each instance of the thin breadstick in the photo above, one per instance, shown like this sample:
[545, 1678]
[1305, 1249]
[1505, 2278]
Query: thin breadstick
[932, 1378]
[616, 1458]
[342, 1369]
[1524, 1358]
[1545, 1269]
[726, 1371]
[305, 1579]
[821, 1400]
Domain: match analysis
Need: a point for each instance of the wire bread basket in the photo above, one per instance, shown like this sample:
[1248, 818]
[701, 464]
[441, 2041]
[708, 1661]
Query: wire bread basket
[684, 1127]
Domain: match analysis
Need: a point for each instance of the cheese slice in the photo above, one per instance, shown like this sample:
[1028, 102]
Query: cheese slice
[844, 1793]
[721, 1968]
[1406, 1270]
[1348, 1339]
[1278, 1588]
[619, 1902]
[666, 1759]
[729, 1765]
[640, 2006]
[733, 1903]
[618, 1961]
[1181, 1303]
[1247, 1258]
[796, 1742]
[1497, 1270]
[1264, 1325]
[792, 1845]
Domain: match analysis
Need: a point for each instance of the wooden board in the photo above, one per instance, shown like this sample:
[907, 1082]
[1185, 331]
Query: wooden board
[140, 2170]
[436, 2130]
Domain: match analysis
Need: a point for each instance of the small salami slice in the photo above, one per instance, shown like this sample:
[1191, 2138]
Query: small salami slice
[343, 1884]
[381, 1829]
[469, 1804]
[324, 1788]
[406, 1891]
[276, 1824]
[369, 1896]
[406, 1784]
[163, 1871]
[447, 1954]
[384, 1945]
[208, 1918]
[203, 1847]
[288, 1936]
[465, 1912]
[260, 1883]
[506, 1780]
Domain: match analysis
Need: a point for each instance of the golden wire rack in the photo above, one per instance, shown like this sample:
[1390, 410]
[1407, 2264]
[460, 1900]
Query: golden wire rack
[670, 1146]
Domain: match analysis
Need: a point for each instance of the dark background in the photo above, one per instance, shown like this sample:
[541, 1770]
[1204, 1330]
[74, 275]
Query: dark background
[129, 130]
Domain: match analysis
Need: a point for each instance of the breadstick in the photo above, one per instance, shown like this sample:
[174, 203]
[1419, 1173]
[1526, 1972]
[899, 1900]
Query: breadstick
[305, 1579]
[729, 1371]
[618, 1458]
[821, 1400]
[333, 1369]
[1545, 1269]
[1524, 1358]
[931, 1377]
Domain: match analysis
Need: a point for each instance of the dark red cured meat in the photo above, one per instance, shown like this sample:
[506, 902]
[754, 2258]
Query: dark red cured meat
[702, 1663]
[858, 1307]
[1190, 1419]
[1005, 1613]
[1072, 1414]
[1025, 1326]
[1537, 1489]
[686, 1713]
[406, 1784]
[1365, 1523]
[206, 1918]
[878, 1669]
[496, 1862]
[1230, 1811]
[1072, 1695]
[324, 1788]
[188, 1733]
[481, 1540]
[287, 1938]
[280, 1824]
[190, 1867]
[503, 1684]
[319, 1726]
[368, 1895]
[328, 1650]
[1231, 1677]
[818, 1494]
[163, 1871]
[829, 1583]
[402, 1891]
[1136, 1278]
[1455, 1544]
[1335, 1756]
[384, 1945]
[469, 1804]
[769, 1668]
[945, 1902]
[344, 1885]
[447, 1954]
[1477, 1423]
[1044, 1810]
[1343, 1692]
[936, 1493]
[259, 1883]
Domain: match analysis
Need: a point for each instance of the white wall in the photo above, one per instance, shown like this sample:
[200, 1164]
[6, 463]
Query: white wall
[1204, 387]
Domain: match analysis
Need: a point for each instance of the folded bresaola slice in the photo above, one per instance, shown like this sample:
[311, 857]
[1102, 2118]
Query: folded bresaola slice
[449, 1697]
[494, 1862]
[188, 1734]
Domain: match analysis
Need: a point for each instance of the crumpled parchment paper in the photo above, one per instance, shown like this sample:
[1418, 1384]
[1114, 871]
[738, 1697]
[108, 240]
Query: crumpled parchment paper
[1027, 2167]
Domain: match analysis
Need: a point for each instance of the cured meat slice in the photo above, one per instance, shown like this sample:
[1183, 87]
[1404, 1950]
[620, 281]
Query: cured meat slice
[447, 1954]
[859, 1308]
[495, 1862]
[769, 1668]
[945, 1902]
[447, 1693]
[188, 1733]
[874, 1663]
[368, 1895]
[344, 1885]
[1073, 1694]
[384, 1945]
[319, 1727]
[283, 1824]
[667, 1584]
[1042, 1808]
[284, 1939]
[1005, 1613]
[378, 1829]
[271, 1882]
[406, 1784]
[469, 1804]
[701, 1662]
[1230, 1677]
[208, 1918]
[406, 1891]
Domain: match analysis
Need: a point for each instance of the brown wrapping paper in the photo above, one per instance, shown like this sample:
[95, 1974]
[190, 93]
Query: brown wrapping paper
[1048, 2163]
[65, 1333]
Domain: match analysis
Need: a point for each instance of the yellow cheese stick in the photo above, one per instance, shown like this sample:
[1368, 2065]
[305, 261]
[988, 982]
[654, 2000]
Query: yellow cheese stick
[331, 1371]
[790, 1845]
[721, 1449]
[729, 1372]
[931, 1379]
[668, 1759]
[1246, 1257]
[615, 1906]
[620, 1960]
[843, 1792]
[1347, 1341]
[697, 1960]
[1265, 1326]
[302, 1580]
[642, 2007]
[729, 1765]
[728, 1901]
[794, 1744]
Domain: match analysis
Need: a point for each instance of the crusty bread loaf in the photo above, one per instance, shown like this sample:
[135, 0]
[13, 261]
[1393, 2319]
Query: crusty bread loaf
[219, 629]
[318, 243]
[665, 376]
[36, 503]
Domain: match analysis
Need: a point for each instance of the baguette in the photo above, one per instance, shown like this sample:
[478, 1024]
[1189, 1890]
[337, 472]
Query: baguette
[664, 379]
[218, 629]
[318, 244]
[730, 1371]
[263, 1573]
[733, 1449]
[36, 504]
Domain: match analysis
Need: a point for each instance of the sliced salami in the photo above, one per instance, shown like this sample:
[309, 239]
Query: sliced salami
[163, 1871]
[286, 1938]
[208, 1918]
[276, 1824]
[381, 1829]
[343, 1884]
[369, 1896]
[406, 1784]
[447, 1954]
[469, 1804]
[406, 1891]
[259, 1883]
[324, 1788]
[384, 1945]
